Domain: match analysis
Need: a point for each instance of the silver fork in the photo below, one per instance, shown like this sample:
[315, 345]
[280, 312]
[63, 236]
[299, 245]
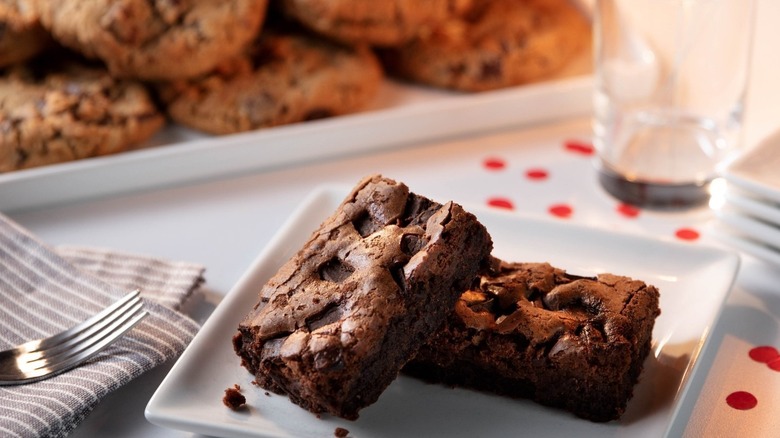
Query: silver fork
[43, 358]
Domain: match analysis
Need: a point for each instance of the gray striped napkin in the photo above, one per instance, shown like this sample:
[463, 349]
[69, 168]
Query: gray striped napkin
[46, 290]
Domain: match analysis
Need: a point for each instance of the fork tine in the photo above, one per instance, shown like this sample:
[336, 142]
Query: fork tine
[49, 365]
[39, 359]
[73, 341]
[43, 343]
[75, 330]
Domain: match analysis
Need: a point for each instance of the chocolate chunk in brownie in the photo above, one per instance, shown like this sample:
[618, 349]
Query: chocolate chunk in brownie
[531, 330]
[335, 325]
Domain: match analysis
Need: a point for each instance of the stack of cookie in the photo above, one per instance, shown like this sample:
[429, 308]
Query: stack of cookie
[81, 79]
[76, 74]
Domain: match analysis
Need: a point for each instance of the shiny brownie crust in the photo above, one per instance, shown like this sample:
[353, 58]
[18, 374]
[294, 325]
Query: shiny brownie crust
[530, 330]
[335, 325]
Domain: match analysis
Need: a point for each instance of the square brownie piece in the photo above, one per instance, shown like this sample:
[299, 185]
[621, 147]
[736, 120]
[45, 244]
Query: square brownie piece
[335, 325]
[533, 331]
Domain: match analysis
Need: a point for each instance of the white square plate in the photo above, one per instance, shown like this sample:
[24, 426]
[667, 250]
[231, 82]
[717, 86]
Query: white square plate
[744, 225]
[757, 170]
[750, 227]
[749, 205]
[735, 238]
[694, 281]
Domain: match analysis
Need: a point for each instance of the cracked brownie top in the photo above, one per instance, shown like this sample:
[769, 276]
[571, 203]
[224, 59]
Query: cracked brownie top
[546, 304]
[359, 266]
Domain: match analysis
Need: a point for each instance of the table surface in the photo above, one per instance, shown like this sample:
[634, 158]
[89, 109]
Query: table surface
[543, 171]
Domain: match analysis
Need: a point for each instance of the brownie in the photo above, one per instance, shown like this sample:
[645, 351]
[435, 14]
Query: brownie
[534, 331]
[335, 325]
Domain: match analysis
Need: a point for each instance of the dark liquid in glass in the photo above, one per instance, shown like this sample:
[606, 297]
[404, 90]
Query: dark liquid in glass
[652, 195]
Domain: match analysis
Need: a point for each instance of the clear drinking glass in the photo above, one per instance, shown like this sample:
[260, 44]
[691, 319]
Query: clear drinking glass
[670, 85]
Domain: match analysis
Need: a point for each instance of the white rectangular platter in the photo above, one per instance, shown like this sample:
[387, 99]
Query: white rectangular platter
[402, 115]
[689, 277]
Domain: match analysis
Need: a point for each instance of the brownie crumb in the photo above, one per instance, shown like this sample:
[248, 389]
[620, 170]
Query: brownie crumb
[267, 394]
[340, 432]
[233, 398]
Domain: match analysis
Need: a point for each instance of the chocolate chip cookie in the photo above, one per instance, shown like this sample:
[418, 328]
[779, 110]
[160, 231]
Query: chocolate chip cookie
[50, 113]
[155, 39]
[284, 78]
[380, 23]
[500, 43]
[21, 35]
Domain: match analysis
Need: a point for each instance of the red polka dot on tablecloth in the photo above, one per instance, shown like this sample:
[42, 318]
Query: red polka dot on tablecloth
[561, 210]
[687, 234]
[774, 365]
[628, 210]
[764, 354]
[501, 203]
[536, 174]
[742, 400]
[494, 163]
[579, 147]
